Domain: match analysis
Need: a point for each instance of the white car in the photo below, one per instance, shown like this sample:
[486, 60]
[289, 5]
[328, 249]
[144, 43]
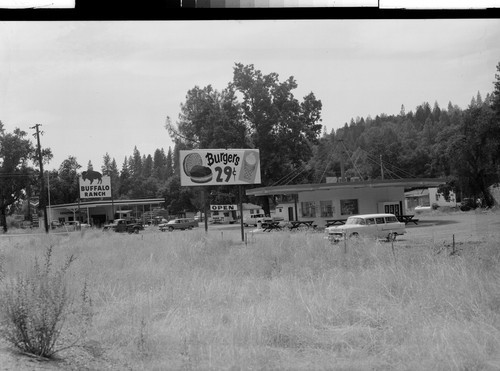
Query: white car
[422, 208]
[386, 226]
[76, 225]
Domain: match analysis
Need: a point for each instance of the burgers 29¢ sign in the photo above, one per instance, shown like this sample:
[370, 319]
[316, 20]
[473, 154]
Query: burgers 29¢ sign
[219, 167]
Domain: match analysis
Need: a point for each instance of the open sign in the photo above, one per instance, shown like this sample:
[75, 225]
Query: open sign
[223, 207]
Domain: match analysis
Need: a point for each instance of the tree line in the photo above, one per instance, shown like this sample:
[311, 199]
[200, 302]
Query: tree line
[257, 110]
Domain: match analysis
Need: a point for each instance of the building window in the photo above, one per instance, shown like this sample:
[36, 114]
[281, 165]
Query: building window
[326, 208]
[308, 209]
[349, 207]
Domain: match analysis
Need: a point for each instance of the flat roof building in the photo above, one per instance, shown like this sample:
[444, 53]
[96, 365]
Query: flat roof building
[101, 212]
[326, 201]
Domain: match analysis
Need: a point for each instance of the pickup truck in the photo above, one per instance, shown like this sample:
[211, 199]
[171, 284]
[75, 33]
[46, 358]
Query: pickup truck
[123, 225]
[260, 218]
[181, 223]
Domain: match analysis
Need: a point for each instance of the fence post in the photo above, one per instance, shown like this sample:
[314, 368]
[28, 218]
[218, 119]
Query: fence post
[345, 243]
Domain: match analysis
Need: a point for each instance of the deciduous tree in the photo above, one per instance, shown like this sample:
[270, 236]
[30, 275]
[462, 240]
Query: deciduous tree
[16, 152]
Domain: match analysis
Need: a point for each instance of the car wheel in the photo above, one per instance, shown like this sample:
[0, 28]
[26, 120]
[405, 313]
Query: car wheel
[392, 237]
[170, 229]
[136, 230]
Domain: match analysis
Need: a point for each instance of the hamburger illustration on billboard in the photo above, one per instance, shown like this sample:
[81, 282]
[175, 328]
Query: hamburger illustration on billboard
[219, 167]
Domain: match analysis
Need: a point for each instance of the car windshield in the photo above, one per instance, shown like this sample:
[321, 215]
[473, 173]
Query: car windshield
[352, 221]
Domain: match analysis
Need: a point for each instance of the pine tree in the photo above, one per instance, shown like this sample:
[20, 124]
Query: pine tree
[147, 167]
[124, 179]
[169, 165]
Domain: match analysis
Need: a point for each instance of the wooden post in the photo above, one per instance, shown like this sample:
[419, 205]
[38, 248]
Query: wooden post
[205, 208]
[240, 191]
[79, 216]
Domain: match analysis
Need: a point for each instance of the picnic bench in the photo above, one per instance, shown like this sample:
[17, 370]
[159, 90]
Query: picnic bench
[270, 226]
[294, 224]
[331, 222]
[407, 219]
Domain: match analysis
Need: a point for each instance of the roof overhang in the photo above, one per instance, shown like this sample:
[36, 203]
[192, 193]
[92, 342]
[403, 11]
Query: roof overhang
[91, 204]
[299, 188]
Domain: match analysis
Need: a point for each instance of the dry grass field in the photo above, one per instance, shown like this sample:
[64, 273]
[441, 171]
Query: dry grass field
[188, 300]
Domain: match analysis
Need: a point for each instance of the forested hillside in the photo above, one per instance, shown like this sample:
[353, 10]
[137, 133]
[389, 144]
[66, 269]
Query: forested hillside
[462, 145]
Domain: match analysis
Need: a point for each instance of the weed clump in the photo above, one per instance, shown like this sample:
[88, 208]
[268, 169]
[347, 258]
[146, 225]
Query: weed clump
[35, 307]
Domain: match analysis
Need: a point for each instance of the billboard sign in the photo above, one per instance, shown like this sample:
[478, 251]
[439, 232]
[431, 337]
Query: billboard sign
[93, 184]
[219, 167]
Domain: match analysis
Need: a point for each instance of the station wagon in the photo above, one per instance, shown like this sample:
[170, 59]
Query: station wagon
[385, 226]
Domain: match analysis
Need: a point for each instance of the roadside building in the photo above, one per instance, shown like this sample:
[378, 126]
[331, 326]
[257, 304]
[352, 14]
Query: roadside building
[98, 213]
[428, 197]
[436, 198]
[417, 197]
[337, 201]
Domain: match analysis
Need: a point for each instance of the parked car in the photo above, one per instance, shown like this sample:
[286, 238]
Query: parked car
[385, 226]
[253, 219]
[422, 208]
[75, 225]
[180, 223]
[123, 225]
[55, 224]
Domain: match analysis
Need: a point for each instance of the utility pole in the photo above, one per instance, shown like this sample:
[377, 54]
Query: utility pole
[342, 165]
[381, 167]
[42, 203]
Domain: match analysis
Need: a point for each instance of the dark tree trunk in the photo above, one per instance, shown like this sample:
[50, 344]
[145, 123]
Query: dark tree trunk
[3, 218]
[265, 205]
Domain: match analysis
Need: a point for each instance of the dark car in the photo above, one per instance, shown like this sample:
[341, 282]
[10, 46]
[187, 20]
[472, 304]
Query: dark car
[123, 225]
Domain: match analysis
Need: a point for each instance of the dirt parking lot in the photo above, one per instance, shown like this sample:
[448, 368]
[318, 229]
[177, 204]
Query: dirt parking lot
[464, 226]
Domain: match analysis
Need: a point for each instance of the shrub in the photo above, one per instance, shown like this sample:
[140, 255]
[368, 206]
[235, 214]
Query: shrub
[35, 307]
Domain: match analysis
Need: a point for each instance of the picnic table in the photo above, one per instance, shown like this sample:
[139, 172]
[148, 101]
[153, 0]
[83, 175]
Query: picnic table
[407, 219]
[294, 224]
[270, 226]
[331, 222]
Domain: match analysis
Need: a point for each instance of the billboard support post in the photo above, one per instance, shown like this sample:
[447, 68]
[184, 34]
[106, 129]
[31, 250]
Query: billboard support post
[240, 189]
[205, 208]
[79, 216]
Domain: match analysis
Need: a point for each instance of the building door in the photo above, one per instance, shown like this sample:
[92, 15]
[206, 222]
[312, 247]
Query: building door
[290, 213]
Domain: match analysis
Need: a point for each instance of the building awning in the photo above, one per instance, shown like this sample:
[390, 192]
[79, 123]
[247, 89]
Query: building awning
[115, 203]
[417, 193]
[298, 188]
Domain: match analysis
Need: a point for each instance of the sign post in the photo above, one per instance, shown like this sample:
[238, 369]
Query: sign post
[205, 208]
[240, 188]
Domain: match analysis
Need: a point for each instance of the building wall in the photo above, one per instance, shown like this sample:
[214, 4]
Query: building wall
[438, 199]
[369, 200]
[282, 210]
[495, 192]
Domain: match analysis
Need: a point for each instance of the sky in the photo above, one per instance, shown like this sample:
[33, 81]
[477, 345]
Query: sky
[105, 87]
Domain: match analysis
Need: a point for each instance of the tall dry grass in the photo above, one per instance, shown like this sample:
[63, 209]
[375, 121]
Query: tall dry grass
[185, 300]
